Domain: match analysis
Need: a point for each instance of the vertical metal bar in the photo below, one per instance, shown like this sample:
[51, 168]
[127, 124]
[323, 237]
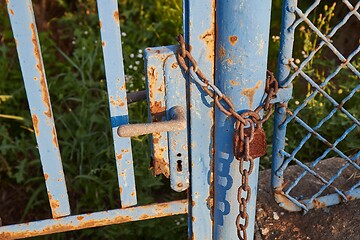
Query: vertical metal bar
[199, 31]
[286, 48]
[27, 43]
[241, 61]
[115, 78]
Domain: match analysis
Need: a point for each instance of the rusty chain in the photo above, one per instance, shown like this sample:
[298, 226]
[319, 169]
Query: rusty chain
[249, 118]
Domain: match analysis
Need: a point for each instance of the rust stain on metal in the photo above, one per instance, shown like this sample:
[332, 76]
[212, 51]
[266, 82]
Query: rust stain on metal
[209, 38]
[117, 102]
[158, 163]
[318, 204]
[144, 216]
[233, 40]
[234, 83]
[132, 194]
[46, 176]
[7, 2]
[116, 16]
[161, 88]
[36, 124]
[124, 150]
[157, 111]
[222, 52]
[229, 61]
[174, 65]
[53, 203]
[39, 66]
[152, 75]
[100, 24]
[160, 208]
[348, 197]
[250, 92]
[123, 87]
[83, 222]
[120, 190]
[67, 227]
[284, 202]
[11, 11]
[119, 156]
[54, 139]
[6, 236]
[157, 108]
[103, 43]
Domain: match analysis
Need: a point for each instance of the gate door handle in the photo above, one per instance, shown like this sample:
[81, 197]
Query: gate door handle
[177, 122]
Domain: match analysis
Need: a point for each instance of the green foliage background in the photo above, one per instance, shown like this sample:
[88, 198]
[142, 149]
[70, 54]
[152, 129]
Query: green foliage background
[71, 48]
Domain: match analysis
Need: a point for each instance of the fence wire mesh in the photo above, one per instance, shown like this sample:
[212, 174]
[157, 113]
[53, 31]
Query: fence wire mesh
[322, 119]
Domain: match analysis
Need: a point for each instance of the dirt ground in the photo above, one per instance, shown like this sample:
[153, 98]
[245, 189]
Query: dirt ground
[328, 223]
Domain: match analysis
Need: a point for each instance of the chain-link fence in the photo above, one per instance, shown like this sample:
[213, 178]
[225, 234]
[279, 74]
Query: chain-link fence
[318, 130]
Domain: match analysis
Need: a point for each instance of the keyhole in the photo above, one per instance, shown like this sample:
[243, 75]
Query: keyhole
[179, 165]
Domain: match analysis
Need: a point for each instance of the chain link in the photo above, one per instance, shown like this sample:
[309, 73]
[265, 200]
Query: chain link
[248, 118]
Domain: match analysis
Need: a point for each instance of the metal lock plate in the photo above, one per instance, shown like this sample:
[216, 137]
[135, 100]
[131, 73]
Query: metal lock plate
[257, 145]
[166, 88]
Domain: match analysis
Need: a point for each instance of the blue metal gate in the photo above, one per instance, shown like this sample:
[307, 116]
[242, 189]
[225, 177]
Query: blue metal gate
[191, 137]
[188, 147]
[341, 183]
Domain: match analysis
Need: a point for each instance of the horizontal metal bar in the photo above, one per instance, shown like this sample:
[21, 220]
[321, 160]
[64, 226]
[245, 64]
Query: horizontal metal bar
[332, 199]
[96, 219]
[136, 96]
[177, 123]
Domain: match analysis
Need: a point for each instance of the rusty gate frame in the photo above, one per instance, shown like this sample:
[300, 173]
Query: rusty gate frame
[212, 206]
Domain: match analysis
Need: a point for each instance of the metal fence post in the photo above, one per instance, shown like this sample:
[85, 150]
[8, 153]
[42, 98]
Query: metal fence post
[241, 60]
[286, 48]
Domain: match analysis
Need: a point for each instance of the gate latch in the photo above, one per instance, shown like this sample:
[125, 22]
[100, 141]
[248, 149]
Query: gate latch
[166, 95]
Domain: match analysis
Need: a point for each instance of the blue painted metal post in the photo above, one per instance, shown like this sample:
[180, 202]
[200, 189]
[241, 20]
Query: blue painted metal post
[241, 61]
[199, 33]
[285, 55]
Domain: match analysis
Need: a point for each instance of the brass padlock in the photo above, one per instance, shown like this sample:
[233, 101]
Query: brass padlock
[257, 146]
